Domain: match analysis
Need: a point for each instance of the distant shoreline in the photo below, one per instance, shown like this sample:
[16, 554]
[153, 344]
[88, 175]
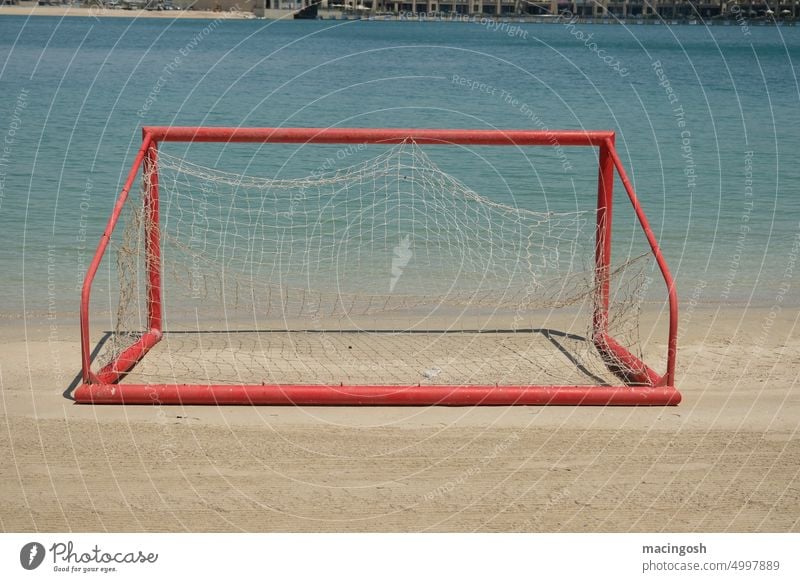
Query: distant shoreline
[100, 12]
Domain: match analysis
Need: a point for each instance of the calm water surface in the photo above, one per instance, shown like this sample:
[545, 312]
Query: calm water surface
[707, 122]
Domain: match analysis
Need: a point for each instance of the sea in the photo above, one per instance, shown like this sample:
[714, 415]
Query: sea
[707, 122]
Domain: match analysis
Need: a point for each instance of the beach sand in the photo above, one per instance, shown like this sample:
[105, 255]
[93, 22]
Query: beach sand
[102, 12]
[726, 459]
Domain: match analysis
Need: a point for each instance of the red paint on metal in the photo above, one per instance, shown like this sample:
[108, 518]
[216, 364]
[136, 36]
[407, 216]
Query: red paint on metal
[672, 338]
[86, 291]
[315, 395]
[626, 366]
[656, 390]
[605, 201]
[334, 135]
[153, 241]
[623, 364]
[123, 363]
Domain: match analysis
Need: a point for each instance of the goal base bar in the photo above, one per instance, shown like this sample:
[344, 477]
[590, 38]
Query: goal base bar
[319, 395]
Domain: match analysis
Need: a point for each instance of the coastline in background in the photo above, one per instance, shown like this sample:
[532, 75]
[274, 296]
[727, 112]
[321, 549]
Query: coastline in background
[733, 18]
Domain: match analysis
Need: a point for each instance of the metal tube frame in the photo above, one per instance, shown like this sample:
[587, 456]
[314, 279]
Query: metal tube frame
[641, 385]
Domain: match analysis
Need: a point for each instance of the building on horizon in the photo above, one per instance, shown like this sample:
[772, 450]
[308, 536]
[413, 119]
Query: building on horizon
[665, 9]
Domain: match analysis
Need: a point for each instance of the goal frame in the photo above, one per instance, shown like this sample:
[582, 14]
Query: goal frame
[639, 384]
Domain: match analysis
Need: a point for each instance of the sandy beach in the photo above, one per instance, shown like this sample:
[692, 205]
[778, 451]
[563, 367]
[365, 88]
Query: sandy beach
[726, 459]
[706, 144]
[96, 12]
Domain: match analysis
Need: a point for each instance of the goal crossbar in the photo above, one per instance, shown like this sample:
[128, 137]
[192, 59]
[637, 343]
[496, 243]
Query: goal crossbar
[639, 384]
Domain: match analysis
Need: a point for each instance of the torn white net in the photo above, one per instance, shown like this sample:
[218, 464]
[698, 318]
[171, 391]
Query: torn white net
[377, 273]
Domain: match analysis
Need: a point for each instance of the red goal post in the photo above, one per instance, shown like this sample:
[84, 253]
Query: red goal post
[639, 384]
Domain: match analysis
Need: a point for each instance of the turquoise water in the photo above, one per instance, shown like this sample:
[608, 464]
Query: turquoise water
[710, 137]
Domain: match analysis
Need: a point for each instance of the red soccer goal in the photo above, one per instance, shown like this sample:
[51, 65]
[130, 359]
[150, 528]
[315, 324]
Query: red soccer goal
[387, 282]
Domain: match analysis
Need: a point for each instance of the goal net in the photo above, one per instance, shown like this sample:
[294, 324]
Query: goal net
[387, 272]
